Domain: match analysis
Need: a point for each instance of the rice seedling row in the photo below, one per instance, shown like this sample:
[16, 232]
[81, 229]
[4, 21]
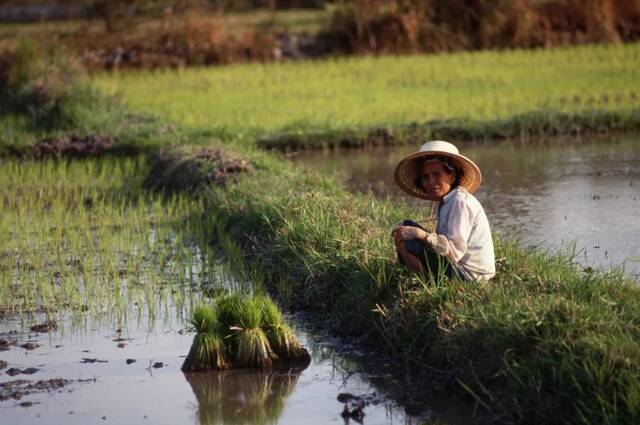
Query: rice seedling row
[85, 237]
[346, 94]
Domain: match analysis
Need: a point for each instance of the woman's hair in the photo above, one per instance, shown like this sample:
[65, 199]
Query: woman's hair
[447, 164]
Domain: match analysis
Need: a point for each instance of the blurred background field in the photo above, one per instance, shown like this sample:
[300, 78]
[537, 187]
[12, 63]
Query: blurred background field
[387, 90]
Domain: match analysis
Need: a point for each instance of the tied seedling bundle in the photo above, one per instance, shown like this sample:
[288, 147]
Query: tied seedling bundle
[241, 331]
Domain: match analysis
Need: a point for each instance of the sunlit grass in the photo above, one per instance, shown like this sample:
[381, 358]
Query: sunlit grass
[366, 91]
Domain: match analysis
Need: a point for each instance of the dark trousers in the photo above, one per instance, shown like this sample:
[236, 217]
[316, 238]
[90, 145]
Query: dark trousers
[435, 265]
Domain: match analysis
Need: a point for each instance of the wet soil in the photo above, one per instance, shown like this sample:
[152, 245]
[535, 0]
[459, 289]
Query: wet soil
[74, 146]
[172, 171]
[20, 388]
[44, 327]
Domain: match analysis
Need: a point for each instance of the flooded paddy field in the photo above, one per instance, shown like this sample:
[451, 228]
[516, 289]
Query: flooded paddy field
[581, 195]
[98, 278]
[130, 373]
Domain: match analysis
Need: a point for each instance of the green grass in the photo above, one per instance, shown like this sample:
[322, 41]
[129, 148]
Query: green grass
[544, 341]
[357, 93]
[85, 236]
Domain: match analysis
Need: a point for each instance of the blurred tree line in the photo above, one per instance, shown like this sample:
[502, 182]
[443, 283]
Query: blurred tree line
[117, 14]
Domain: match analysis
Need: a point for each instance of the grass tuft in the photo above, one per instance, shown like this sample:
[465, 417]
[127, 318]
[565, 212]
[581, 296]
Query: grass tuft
[238, 327]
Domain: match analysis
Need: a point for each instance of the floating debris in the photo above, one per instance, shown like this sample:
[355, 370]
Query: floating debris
[89, 360]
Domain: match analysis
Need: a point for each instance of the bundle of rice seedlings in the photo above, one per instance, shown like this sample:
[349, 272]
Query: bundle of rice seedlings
[207, 351]
[252, 347]
[281, 337]
[227, 307]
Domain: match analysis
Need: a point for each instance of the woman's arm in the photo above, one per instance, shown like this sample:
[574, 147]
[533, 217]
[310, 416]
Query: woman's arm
[400, 235]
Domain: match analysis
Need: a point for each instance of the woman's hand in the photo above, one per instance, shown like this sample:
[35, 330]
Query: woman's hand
[407, 233]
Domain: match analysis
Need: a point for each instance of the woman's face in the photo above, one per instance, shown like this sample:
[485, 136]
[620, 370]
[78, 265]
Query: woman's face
[436, 181]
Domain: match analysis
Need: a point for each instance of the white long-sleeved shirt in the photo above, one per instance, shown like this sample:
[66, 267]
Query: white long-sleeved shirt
[464, 236]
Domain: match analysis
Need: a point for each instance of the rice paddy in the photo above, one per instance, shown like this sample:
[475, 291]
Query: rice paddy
[339, 94]
[85, 237]
[542, 341]
[540, 323]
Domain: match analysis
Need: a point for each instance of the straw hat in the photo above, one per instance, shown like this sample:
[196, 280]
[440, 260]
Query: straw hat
[407, 170]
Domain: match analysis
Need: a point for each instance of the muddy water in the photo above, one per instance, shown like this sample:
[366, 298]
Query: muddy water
[129, 373]
[577, 195]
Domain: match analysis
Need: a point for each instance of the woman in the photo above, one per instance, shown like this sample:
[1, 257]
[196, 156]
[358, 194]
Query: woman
[462, 244]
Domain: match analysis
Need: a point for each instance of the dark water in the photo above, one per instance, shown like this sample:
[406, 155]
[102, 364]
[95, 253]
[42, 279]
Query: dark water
[577, 195]
[110, 391]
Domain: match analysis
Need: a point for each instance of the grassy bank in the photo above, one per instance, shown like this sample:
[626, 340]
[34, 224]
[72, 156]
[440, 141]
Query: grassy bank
[543, 342]
[481, 94]
[45, 96]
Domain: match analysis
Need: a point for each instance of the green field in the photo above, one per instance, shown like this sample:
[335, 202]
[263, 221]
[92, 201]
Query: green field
[84, 236]
[368, 91]
[544, 341]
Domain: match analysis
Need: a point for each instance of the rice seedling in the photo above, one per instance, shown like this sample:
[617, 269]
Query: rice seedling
[241, 330]
[208, 350]
[84, 237]
[252, 346]
[281, 337]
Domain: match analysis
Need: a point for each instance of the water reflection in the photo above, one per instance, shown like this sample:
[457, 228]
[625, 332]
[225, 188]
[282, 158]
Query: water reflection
[552, 193]
[242, 396]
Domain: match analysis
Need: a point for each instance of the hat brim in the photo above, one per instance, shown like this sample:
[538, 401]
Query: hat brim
[407, 171]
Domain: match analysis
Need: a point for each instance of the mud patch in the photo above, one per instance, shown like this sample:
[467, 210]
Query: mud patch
[91, 360]
[17, 371]
[74, 146]
[16, 390]
[375, 136]
[44, 327]
[183, 169]
[30, 346]
[6, 343]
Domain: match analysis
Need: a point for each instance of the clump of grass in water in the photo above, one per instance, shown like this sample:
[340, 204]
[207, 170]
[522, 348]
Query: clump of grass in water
[208, 350]
[241, 331]
[283, 341]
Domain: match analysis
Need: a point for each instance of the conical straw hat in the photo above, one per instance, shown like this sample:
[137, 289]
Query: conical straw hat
[407, 171]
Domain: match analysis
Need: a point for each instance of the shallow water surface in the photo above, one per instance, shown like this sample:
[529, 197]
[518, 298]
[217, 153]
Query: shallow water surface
[105, 387]
[553, 193]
